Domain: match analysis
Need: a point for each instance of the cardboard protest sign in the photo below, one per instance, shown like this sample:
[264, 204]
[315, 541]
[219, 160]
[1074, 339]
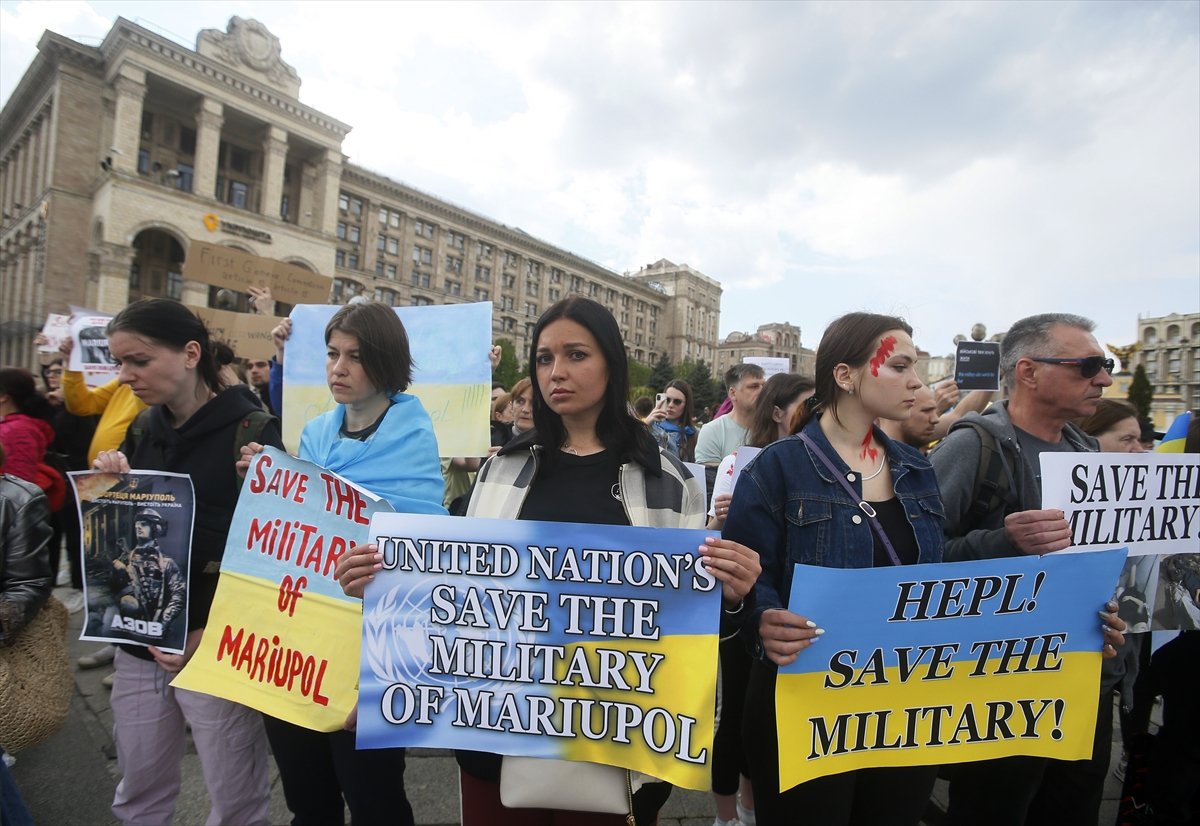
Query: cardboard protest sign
[227, 267]
[1148, 502]
[136, 533]
[542, 639]
[946, 663]
[281, 636]
[249, 334]
[977, 365]
[451, 372]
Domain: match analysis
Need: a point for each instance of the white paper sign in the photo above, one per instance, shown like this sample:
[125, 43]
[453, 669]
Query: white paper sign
[1149, 502]
[770, 364]
[56, 329]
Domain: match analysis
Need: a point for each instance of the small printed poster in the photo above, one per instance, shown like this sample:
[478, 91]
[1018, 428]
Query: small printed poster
[977, 365]
[137, 540]
[90, 354]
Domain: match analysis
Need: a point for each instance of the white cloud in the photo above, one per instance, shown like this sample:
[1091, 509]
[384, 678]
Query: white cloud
[955, 162]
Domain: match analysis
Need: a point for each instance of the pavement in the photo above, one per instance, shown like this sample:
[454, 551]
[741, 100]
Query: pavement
[69, 779]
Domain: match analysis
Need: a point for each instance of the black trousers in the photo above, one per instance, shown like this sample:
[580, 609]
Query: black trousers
[319, 769]
[728, 755]
[1034, 791]
[879, 797]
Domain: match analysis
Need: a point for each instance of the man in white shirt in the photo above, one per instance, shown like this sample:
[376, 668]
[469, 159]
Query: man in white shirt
[727, 433]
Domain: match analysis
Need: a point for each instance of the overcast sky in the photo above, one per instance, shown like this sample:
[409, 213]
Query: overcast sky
[952, 163]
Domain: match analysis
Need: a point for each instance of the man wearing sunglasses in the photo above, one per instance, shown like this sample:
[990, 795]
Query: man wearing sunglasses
[989, 473]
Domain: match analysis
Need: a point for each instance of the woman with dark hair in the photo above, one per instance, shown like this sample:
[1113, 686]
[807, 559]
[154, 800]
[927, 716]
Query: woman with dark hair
[587, 460]
[1115, 426]
[25, 429]
[192, 425]
[865, 371]
[671, 421]
[381, 438]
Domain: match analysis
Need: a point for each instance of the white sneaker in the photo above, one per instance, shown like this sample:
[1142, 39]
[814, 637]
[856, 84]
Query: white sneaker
[718, 822]
[9, 760]
[104, 656]
[73, 601]
[746, 816]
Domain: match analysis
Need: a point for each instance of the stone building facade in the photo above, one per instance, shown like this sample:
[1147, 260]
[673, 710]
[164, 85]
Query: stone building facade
[777, 340]
[1170, 352]
[113, 158]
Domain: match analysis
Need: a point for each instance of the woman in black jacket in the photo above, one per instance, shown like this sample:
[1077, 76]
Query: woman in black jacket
[192, 426]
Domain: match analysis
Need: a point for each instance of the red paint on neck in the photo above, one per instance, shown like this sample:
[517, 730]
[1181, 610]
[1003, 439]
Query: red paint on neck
[867, 450]
[886, 346]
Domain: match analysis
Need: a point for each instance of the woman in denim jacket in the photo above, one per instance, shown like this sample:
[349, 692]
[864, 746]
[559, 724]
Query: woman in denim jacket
[790, 508]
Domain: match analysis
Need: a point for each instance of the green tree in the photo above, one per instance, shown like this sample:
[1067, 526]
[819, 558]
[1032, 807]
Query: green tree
[639, 375]
[508, 372]
[705, 390]
[1141, 393]
[661, 374]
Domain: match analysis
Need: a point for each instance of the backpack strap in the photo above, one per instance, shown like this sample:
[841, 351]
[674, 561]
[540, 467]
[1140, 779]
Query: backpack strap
[250, 430]
[991, 479]
[136, 431]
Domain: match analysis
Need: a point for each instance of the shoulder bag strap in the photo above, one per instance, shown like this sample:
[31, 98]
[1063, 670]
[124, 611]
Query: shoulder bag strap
[863, 505]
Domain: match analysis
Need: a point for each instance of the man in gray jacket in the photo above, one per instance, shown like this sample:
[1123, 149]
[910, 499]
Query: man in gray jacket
[989, 473]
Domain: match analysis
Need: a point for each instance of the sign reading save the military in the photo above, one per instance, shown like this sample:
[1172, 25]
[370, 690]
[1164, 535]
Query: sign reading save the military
[236, 270]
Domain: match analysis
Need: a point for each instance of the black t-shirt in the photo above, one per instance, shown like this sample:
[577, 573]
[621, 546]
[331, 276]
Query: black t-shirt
[895, 524]
[577, 489]
[367, 432]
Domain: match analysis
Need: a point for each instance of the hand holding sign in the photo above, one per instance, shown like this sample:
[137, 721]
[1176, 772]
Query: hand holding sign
[1038, 532]
[784, 634]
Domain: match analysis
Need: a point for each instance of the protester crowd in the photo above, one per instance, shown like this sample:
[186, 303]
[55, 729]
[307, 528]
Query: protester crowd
[944, 475]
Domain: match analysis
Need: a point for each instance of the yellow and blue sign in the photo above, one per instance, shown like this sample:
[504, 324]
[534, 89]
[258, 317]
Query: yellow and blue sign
[945, 663]
[542, 639]
[281, 637]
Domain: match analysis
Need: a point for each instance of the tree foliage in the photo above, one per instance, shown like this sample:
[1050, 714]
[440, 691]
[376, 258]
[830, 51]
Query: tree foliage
[508, 372]
[661, 374]
[1141, 393]
[639, 375]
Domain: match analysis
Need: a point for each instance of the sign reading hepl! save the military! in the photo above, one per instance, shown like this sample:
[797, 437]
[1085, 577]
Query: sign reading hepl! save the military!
[237, 270]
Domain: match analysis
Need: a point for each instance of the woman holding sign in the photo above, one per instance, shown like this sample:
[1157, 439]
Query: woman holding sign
[381, 438]
[192, 426]
[865, 371]
[841, 494]
[587, 460]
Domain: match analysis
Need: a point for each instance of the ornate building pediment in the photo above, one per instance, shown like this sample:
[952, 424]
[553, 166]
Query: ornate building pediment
[249, 47]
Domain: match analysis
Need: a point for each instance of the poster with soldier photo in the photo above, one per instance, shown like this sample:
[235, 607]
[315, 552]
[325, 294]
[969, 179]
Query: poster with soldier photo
[137, 538]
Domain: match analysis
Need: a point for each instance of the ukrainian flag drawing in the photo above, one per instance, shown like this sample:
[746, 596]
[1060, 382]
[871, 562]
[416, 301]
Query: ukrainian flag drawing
[946, 663]
[451, 373]
[542, 639]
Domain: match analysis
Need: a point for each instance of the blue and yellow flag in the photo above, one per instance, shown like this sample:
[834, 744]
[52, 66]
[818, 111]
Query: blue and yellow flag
[1173, 440]
[947, 663]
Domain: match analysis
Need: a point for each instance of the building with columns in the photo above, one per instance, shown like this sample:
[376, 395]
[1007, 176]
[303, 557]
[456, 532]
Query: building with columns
[113, 158]
[777, 340]
[1170, 351]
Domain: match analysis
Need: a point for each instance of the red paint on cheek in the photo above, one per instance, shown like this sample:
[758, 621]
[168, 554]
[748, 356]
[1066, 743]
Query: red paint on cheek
[867, 450]
[886, 346]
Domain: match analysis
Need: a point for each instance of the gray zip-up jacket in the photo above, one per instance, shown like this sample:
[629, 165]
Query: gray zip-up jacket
[956, 463]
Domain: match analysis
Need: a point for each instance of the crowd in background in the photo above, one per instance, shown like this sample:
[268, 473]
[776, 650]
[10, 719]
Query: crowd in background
[559, 438]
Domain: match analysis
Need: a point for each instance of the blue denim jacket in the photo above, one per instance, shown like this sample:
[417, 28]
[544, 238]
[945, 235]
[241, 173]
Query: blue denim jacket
[790, 509]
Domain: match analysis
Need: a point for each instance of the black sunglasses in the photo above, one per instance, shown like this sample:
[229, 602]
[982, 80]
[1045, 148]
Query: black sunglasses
[1088, 367]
